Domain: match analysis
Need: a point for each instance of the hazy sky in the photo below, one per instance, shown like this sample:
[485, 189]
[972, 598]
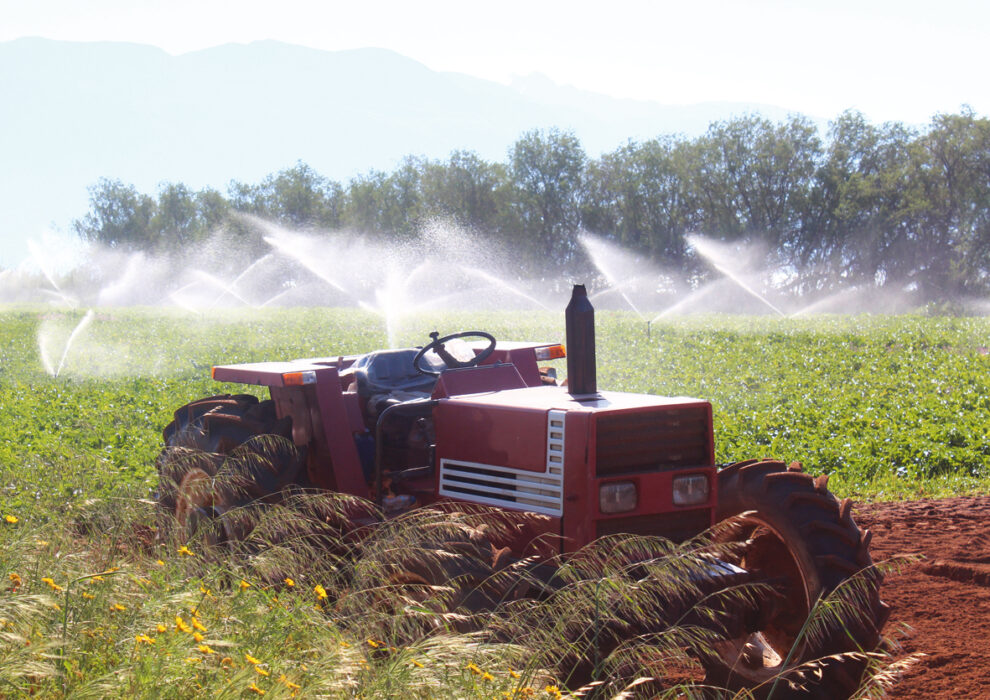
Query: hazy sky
[892, 59]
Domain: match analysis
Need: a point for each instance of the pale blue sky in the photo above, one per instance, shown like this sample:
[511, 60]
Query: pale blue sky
[893, 59]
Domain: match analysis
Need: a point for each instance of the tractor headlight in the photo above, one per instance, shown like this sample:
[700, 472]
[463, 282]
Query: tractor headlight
[617, 497]
[690, 490]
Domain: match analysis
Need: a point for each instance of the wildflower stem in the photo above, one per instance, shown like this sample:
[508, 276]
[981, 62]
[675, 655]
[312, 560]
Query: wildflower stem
[65, 621]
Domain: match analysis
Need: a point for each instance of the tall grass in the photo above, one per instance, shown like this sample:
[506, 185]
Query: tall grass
[114, 603]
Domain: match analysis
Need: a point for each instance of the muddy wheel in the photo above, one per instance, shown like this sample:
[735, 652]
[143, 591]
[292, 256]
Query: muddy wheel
[221, 454]
[796, 537]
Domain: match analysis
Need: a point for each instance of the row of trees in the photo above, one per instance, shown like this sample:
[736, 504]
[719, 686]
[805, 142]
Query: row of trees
[865, 203]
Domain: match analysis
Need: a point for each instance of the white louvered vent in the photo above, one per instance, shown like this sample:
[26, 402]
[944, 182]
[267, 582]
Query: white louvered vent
[512, 488]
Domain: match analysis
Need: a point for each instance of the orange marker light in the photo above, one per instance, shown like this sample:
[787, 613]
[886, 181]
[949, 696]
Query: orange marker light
[553, 352]
[299, 378]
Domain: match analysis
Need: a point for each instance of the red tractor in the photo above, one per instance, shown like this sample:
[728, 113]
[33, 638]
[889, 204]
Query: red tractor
[483, 422]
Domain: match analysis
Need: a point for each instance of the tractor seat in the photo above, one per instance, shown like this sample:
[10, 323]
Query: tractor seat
[387, 377]
[385, 371]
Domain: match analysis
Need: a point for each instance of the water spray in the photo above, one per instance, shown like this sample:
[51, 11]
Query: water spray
[80, 327]
[499, 282]
[707, 250]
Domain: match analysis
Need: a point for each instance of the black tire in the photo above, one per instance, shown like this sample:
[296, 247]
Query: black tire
[222, 453]
[804, 542]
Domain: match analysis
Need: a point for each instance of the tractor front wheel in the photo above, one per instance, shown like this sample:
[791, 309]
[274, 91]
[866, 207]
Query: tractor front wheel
[795, 537]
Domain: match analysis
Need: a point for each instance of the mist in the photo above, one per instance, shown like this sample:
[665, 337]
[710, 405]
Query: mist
[442, 268]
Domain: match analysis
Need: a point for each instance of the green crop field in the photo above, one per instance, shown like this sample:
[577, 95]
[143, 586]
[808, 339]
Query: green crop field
[890, 407]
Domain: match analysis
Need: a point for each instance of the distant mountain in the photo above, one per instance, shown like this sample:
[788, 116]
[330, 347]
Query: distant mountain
[74, 112]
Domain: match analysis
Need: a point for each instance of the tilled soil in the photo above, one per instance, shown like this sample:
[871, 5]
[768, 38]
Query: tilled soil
[945, 598]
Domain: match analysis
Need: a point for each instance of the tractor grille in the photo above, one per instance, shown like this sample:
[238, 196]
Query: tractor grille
[676, 526]
[631, 442]
[540, 492]
[503, 486]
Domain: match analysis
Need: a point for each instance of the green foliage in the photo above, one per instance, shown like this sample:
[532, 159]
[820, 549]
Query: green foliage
[890, 406]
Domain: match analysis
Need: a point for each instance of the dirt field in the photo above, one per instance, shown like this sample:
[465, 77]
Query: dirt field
[945, 599]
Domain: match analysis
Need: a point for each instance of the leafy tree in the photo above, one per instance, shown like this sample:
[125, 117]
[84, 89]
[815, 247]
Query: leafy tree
[754, 178]
[465, 189]
[639, 196]
[380, 203]
[546, 168]
[119, 216]
[950, 189]
[298, 197]
[863, 206]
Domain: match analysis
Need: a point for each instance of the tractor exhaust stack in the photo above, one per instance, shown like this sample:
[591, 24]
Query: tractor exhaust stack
[580, 321]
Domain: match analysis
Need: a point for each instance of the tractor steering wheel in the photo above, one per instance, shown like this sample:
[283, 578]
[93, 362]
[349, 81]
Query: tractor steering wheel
[436, 344]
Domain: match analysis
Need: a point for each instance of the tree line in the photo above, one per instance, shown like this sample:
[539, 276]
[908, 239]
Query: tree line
[877, 204]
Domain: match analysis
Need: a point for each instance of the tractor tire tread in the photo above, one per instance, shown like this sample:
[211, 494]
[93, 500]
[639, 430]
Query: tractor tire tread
[810, 518]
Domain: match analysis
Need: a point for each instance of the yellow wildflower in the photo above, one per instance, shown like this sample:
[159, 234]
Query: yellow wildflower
[94, 579]
[486, 676]
[181, 625]
[320, 591]
[11, 519]
[197, 624]
[41, 543]
[117, 607]
[204, 649]
[345, 645]
[514, 674]
[198, 637]
[160, 563]
[193, 660]
[185, 551]
[251, 660]
[473, 668]
[244, 585]
[255, 689]
[161, 628]
[552, 690]
[205, 591]
[51, 584]
[144, 639]
[15, 580]
[88, 596]
[289, 582]
[260, 671]
[226, 662]
[287, 683]
[372, 643]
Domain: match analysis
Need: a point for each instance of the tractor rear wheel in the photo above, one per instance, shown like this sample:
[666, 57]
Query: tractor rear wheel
[222, 453]
[796, 537]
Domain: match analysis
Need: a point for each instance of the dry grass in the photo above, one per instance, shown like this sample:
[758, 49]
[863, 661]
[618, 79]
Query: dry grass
[117, 603]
